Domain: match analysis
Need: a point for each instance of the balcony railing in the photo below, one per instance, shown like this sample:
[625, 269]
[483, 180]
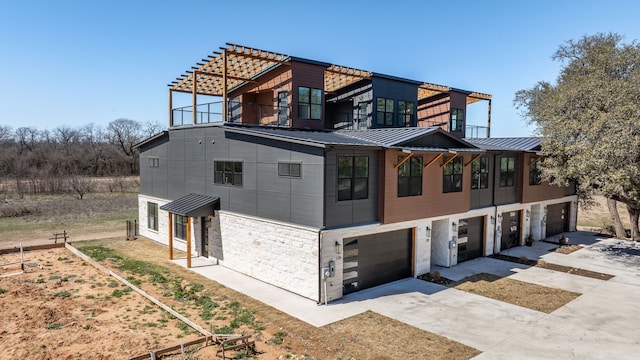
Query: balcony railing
[477, 131]
[237, 112]
[347, 121]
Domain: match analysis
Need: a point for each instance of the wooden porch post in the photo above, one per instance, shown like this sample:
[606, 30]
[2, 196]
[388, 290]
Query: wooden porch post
[170, 236]
[194, 97]
[188, 242]
[489, 119]
[170, 108]
[224, 85]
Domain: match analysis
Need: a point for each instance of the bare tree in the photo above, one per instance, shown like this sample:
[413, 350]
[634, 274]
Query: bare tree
[151, 128]
[80, 184]
[5, 134]
[27, 138]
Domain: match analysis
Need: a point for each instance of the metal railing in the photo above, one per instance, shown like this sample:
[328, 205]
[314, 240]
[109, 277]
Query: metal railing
[237, 112]
[477, 131]
[349, 121]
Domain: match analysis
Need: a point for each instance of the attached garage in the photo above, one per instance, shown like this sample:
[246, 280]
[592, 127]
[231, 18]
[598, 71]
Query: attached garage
[510, 229]
[470, 238]
[373, 260]
[557, 219]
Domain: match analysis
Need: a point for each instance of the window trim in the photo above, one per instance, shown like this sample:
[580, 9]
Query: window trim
[387, 103]
[151, 216]
[308, 102]
[180, 227]
[288, 173]
[225, 174]
[411, 176]
[406, 116]
[459, 119]
[480, 173]
[353, 179]
[154, 162]
[453, 176]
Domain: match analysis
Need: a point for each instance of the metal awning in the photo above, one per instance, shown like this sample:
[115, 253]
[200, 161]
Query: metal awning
[193, 205]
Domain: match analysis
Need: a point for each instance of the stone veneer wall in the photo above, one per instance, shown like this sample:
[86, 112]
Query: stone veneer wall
[281, 254]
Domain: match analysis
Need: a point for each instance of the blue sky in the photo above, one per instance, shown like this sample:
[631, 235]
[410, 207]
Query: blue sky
[71, 63]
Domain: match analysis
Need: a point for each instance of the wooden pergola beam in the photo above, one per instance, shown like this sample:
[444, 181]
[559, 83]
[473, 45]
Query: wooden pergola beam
[432, 161]
[404, 159]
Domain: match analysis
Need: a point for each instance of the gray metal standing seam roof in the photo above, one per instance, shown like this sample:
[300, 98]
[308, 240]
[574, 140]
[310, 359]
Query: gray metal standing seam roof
[514, 144]
[388, 136]
[192, 205]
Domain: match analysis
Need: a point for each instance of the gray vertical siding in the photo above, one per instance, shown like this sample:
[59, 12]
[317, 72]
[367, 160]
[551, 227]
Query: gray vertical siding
[484, 197]
[187, 166]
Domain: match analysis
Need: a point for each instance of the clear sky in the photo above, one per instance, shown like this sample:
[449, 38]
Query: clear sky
[71, 63]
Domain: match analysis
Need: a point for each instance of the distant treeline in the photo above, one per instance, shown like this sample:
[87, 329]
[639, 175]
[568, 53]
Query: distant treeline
[46, 161]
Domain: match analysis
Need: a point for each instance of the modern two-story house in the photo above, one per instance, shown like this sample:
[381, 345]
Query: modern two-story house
[324, 180]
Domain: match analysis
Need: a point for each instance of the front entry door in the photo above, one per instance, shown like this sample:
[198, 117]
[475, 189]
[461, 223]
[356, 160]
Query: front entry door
[283, 108]
[205, 236]
[510, 230]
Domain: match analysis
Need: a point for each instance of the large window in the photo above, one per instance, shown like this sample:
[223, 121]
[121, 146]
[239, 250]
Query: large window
[480, 173]
[457, 120]
[180, 227]
[507, 171]
[228, 173]
[410, 177]
[384, 112]
[353, 177]
[152, 216]
[289, 169]
[405, 112]
[452, 176]
[535, 174]
[309, 103]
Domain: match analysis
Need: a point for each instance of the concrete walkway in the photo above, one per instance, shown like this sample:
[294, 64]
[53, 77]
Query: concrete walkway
[600, 324]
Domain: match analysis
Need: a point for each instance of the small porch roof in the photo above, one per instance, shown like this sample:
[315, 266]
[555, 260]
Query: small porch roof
[193, 205]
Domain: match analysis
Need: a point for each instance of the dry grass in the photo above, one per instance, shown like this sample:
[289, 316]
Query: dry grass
[597, 216]
[567, 249]
[531, 296]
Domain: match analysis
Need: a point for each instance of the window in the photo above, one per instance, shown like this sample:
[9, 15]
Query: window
[480, 173]
[288, 169]
[457, 120]
[353, 177]
[180, 226]
[405, 112]
[228, 172]
[535, 173]
[452, 176]
[154, 162]
[309, 103]
[410, 177]
[384, 112]
[152, 216]
[507, 170]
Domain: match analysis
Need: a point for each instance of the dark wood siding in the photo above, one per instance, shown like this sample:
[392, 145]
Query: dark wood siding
[543, 191]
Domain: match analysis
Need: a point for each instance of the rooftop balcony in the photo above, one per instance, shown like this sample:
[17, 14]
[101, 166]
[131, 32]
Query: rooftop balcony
[237, 112]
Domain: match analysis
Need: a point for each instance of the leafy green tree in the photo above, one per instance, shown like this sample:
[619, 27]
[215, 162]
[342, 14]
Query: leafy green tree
[590, 119]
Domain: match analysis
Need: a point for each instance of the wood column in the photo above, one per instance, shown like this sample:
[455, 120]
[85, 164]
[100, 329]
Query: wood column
[224, 85]
[188, 242]
[489, 119]
[170, 108]
[170, 236]
[194, 97]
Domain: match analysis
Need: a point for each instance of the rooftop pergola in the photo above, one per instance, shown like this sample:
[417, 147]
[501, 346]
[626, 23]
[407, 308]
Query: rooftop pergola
[235, 65]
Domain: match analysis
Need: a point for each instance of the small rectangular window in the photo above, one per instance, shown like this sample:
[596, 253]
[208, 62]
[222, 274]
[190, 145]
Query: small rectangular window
[410, 177]
[288, 169]
[452, 176]
[480, 173]
[227, 172]
[457, 120]
[309, 103]
[384, 112]
[152, 216]
[180, 227]
[405, 112]
[507, 171]
[353, 177]
[535, 174]
[154, 162]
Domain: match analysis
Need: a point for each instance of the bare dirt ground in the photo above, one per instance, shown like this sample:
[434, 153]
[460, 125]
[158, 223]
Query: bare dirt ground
[66, 309]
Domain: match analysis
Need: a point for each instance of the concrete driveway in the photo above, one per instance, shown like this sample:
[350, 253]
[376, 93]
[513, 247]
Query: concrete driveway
[602, 323]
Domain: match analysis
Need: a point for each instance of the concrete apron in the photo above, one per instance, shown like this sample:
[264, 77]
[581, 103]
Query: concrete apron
[598, 324]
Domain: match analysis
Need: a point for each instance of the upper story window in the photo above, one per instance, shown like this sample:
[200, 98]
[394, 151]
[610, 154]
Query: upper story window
[154, 161]
[405, 112]
[289, 169]
[457, 120]
[535, 174]
[384, 112]
[410, 177]
[507, 171]
[152, 216]
[452, 176]
[353, 177]
[309, 103]
[180, 227]
[480, 173]
[228, 173]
